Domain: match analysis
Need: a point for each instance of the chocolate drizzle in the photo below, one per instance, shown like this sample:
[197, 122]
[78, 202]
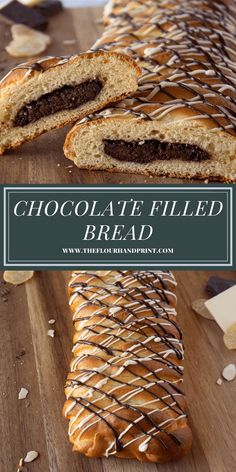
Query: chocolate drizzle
[125, 322]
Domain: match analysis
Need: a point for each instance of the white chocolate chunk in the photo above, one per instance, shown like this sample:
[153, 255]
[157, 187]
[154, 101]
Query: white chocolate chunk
[223, 308]
[229, 372]
[219, 381]
[51, 322]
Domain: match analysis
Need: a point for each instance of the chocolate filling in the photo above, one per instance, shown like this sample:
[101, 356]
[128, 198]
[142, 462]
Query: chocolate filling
[151, 150]
[67, 97]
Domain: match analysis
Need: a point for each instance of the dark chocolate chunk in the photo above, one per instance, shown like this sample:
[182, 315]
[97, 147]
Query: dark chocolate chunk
[19, 13]
[150, 150]
[67, 97]
[216, 285]
[49, 7]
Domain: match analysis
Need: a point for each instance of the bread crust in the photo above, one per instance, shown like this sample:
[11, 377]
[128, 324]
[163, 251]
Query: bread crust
[124, 395]
[213, 172]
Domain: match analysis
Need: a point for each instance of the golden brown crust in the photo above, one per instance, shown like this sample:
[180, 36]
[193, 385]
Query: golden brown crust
[36, 68]
[124, 395]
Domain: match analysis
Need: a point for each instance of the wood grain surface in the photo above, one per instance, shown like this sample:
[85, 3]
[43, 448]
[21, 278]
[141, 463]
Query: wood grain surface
[42, 161]
[30, 358]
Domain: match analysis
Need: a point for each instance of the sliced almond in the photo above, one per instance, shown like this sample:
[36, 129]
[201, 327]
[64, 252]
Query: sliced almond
[23, 393]
[27, 42]
[229, 372]
[199, 307]
[17, 277]
[222, 308]
[230, 337]
[31, 456]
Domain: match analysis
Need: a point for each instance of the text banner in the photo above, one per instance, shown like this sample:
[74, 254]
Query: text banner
[126, 226]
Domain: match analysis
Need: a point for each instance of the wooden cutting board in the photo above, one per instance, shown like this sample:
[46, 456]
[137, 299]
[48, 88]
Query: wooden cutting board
[43, 161]
[30, 358]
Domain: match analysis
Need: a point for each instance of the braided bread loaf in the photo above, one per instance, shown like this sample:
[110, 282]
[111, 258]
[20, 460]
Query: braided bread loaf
[124, 395]
[182, 121]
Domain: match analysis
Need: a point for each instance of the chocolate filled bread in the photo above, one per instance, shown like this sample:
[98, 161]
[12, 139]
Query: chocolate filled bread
[124, 390]
[38, 96]
[182, 120]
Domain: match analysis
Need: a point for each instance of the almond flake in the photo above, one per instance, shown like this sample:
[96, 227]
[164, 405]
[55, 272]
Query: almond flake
[51, 322]
[219, 381]
[27, 42]
[67, 42]
[51, 333]
[229, 372]
[30, 3]
[114, 309]
[230, 337]
[20, 465]
[17, 277]
[31, 456]
[23, 393]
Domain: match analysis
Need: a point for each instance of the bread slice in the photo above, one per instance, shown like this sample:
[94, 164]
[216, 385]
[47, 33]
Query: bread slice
[125, 144]
[54, 91]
